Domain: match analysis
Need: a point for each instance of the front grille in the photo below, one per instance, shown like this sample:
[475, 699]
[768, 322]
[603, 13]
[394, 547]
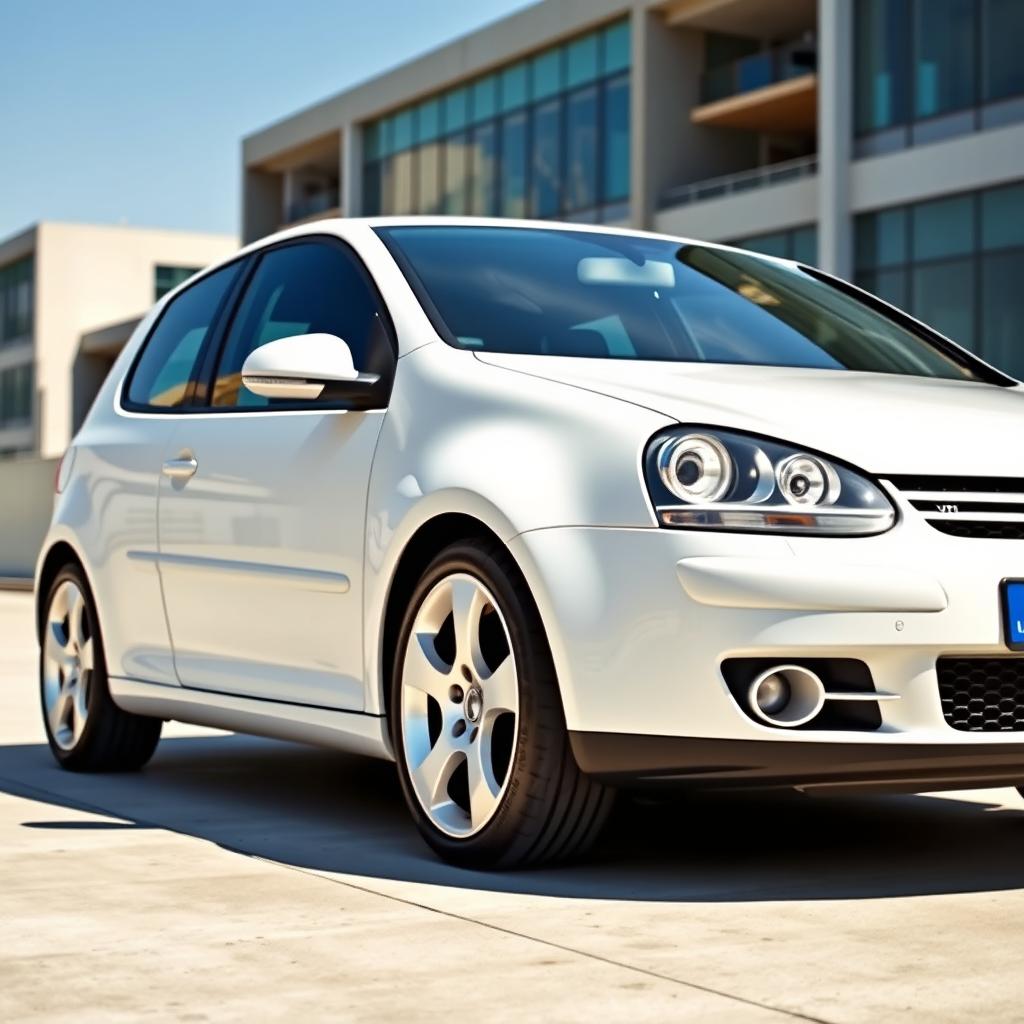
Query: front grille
[982, 694]
[980, 507]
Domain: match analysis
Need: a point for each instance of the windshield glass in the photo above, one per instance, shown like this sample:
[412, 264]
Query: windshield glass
[574, 293]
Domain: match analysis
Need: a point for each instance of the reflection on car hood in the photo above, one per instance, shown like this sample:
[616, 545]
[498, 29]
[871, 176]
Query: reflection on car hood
[883, 423]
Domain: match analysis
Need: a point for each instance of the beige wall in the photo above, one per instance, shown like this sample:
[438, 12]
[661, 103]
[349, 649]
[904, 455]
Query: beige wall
[26, 504]
[88, 276]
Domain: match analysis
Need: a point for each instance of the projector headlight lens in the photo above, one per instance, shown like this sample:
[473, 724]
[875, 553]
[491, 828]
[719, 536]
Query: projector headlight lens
[715, 479]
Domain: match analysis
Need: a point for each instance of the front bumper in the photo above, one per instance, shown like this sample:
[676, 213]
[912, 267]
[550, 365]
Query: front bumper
[640, 622]
[754, 764]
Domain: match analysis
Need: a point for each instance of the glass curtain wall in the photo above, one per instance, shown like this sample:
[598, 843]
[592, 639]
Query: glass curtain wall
[16, 301]
[16, 396]
[544, 137]
[956, 263]
[931, 69]
[800, 244]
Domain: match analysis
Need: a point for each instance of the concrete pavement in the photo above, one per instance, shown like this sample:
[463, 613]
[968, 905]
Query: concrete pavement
[242, 878]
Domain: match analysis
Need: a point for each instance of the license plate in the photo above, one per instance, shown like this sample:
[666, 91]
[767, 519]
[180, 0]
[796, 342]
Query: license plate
[1013, 613]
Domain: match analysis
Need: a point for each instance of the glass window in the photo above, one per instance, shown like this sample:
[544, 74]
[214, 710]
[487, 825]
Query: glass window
[163, 377]
[1002, 217]
[166, 279]
[616, 140]
[513, 165]
[581, 170]
[774, 244]
[16, 395]
[882, 82]
[428, 196]
[943, 296]
[428, 121]
[404, 130]
[888, 285]
[372, 141]
[483, 193]
[805, 245]
[16, 286]
[547, 74]
[581, 59]
[881, 238]
[456, 109]
[546, 192]
[944, 48]
[514, 86]
[1002, 26]
[308, 288]
[1002, 310]
[617, 42]
[403, 194]
[680, 304]
[485, 98]
[456, 173]
[944, 227]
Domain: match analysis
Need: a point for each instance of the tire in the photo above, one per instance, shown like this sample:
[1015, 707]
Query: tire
[86, 730]
[545, 809]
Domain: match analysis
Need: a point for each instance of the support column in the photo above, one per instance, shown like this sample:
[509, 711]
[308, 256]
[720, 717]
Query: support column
[835, 136]
[351, 164]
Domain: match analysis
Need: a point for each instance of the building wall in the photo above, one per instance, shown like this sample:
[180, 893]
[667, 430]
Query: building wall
[87, 276]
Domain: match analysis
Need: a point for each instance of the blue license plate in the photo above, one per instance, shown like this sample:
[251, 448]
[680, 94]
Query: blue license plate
[1013, 613]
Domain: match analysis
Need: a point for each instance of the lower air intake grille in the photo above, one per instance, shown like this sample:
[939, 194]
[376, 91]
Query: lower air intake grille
[982, 694]
[984, 530]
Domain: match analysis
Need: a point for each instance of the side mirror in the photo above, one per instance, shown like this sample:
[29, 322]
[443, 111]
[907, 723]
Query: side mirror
[306, 366]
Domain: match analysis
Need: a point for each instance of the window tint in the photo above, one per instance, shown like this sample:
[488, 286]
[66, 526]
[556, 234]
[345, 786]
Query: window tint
[311, 288]
[567, 293]
[165, 369]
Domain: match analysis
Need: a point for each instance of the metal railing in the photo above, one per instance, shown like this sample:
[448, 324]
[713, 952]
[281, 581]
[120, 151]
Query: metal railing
[741, 181]
[790, 60]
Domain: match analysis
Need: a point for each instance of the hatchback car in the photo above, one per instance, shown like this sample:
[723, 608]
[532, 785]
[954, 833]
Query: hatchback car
[539, 511]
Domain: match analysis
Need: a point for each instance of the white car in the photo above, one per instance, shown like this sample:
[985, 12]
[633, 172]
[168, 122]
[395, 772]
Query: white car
[537, 511]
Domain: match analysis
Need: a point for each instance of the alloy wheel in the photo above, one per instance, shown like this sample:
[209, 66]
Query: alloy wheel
[68, 662]
[459, 705]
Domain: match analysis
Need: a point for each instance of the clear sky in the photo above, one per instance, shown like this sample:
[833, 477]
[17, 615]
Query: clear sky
[131, 111]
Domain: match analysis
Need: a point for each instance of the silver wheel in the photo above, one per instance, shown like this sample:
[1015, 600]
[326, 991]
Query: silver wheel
[459, 705]
[68, 654]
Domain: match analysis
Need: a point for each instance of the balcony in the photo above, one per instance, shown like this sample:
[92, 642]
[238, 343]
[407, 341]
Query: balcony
[742, 181]
[774, 91]
[314, 206]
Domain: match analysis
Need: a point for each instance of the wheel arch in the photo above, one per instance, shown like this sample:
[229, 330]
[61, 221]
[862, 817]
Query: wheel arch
[59, 554]
[429, 539]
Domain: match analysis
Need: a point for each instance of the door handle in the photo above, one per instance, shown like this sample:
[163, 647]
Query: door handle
[182, 467]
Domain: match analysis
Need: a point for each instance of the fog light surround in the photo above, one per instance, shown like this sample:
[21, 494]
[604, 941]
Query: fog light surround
[786, 696]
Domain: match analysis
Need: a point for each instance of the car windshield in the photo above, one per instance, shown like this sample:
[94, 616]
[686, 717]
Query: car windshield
[575, 293]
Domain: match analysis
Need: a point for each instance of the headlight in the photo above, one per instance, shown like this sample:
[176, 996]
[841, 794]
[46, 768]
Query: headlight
[715, 479]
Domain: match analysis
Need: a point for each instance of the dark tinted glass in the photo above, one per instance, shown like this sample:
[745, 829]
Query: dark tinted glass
[882, 41]
[309, 288]
[165, 369]
[569, 293]
[1001, 66]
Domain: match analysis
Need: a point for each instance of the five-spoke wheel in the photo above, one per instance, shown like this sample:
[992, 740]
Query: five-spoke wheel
[480, 736]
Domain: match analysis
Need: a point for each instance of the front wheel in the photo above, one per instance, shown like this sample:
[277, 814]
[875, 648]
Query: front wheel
[480, 737]
[86, 730]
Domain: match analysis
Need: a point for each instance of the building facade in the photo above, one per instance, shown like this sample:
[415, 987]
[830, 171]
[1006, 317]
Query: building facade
[60, 282]
[882, 140]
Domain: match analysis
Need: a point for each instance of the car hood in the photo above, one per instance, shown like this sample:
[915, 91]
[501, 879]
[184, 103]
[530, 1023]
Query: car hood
[883, 423]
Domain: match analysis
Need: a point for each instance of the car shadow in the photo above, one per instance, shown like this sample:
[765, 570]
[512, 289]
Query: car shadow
[326, 811]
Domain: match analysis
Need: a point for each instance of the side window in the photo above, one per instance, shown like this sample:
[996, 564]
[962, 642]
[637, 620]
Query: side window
[309, 288]
[164, 372]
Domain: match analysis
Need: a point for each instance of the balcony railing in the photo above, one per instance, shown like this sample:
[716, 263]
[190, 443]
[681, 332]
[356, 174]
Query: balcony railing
[742, 181]
[311, 205]
[791, 60]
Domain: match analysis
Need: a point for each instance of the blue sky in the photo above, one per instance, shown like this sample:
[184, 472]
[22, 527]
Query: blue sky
[121, 111]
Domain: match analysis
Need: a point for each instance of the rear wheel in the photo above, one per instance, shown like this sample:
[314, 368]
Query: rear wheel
[480, 737]
[86, 730]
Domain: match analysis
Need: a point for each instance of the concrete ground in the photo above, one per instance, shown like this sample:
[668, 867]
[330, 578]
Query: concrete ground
[238, 878]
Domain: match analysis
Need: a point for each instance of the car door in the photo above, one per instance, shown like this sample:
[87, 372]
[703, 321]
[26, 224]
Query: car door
[263, 503]
[120, 459]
